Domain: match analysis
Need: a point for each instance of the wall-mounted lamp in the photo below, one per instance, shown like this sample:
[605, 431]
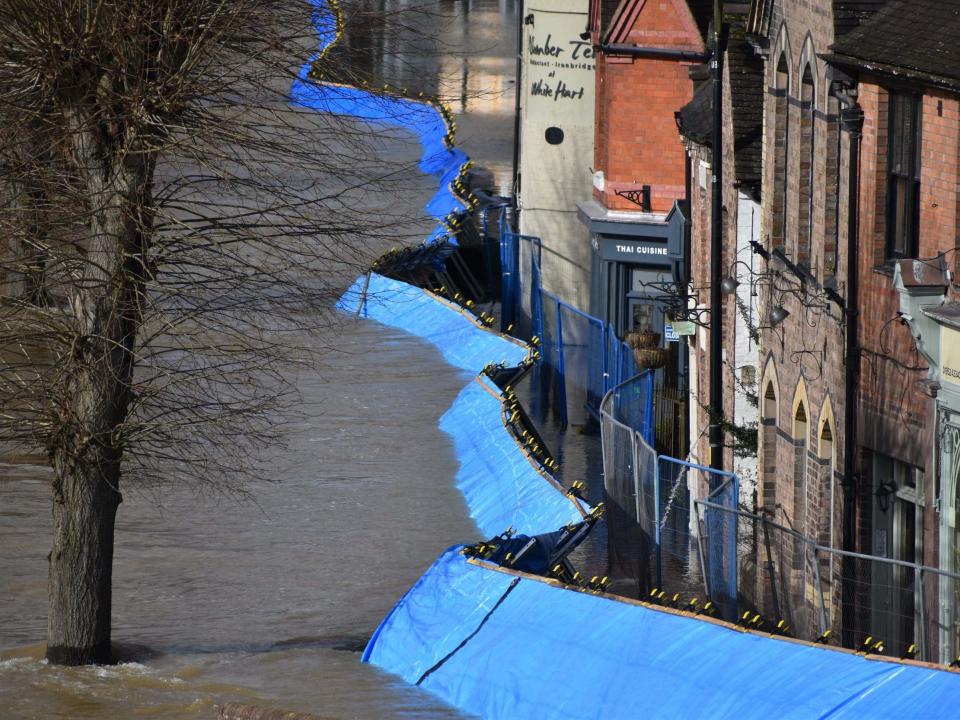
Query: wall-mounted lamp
[729, 285]
[886, 490]
[778, 314]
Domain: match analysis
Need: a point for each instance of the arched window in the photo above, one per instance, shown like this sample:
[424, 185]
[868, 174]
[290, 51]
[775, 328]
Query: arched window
[831, 216]
[806, 183]
[768, 499]
[781, 139]
[799, 515]
[829, 523]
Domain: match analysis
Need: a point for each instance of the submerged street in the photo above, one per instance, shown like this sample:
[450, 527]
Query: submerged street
[513, 359]
[270, 600]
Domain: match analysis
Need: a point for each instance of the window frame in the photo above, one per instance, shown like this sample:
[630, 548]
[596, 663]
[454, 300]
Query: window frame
[903, 180]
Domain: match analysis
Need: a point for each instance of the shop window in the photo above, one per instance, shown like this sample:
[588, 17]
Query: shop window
[903, 176]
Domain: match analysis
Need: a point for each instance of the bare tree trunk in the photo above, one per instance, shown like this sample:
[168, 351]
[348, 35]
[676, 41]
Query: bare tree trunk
[107, 305]
[81, 562]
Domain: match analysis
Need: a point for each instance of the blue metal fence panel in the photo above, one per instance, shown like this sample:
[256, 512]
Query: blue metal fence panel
[536, 292]
[582, 348]
[721, 531]
[509, 273]
[582, 357]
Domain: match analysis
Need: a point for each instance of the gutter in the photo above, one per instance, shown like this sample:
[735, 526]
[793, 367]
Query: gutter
[654, 53]
[850, 62]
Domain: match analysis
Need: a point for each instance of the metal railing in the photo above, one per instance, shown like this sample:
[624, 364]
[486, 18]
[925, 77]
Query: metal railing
[582, 357]
[653, 532]
[675, 529]
[865, 602]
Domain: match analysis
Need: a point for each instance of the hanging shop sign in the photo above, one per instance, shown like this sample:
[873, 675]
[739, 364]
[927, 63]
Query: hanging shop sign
[683, 328]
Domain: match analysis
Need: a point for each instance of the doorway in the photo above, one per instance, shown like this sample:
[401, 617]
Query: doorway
[896, 519]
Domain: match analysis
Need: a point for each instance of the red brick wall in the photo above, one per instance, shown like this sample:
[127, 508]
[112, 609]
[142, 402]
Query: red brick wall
[893, 409]
[637, 142]
[895, 415]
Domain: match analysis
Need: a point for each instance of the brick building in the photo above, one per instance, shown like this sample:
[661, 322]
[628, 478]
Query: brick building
[905, 62]
[637, 218]
[742, 148]
[860, 170]
[805, 285]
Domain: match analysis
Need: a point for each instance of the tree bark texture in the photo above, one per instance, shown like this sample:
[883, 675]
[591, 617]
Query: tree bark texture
[95, 393]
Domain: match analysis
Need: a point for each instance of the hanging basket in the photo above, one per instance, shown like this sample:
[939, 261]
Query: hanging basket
[651, 358]
[645, 338]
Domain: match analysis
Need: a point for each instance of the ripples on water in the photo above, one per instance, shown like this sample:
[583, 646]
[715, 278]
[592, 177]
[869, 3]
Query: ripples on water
[224, 601]
[216, 600]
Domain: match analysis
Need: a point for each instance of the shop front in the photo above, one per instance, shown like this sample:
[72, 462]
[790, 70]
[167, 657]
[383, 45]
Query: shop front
[933, 317]
[637, 273]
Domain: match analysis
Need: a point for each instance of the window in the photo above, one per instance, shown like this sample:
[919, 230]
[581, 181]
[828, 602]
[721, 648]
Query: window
[831, 218]
[805, 210]
[781, 139]
[903, 177]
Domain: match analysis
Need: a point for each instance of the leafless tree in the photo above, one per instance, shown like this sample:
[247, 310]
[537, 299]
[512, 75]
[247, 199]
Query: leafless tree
[170, 228]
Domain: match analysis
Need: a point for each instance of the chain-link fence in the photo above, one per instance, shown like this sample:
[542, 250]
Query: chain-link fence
[629, 478]
[787, 583]
[654, 534]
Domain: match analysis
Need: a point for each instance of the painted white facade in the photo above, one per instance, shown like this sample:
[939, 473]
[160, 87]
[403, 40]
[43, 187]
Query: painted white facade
[747, 353]
[557, 96]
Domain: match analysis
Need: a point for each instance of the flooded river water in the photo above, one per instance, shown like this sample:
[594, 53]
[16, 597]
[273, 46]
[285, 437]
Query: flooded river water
[270, 601]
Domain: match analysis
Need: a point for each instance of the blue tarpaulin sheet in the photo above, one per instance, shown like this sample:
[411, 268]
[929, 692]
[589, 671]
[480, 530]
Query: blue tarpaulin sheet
[503, 487]
[416, 116]
[455, 332]
[503, 646]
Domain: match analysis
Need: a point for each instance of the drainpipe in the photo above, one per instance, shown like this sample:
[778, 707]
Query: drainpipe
[517, 89]
[851, 120]
[716, 246]
[685, 295]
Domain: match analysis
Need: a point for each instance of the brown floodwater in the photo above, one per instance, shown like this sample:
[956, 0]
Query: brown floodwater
[270, 601]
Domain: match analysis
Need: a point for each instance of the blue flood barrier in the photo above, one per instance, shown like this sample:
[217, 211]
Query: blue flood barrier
[503, 486]
[462, 341]
[438, 157]
[506, 645]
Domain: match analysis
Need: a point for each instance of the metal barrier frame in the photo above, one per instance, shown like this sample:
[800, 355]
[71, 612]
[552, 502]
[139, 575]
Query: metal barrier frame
[919, 569]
